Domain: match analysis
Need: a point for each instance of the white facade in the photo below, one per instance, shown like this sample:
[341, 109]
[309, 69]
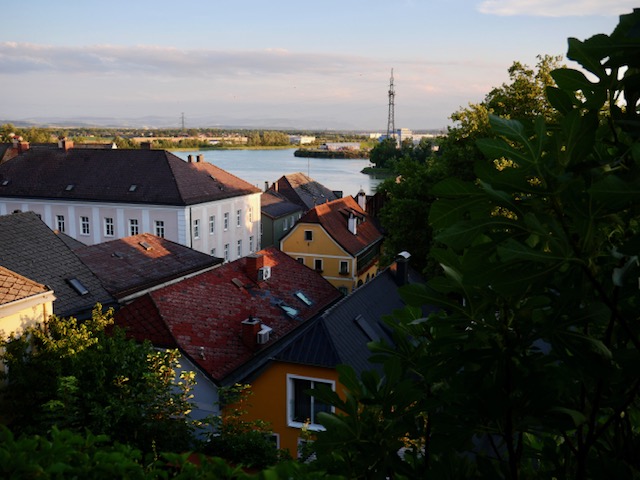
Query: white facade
[200, 226]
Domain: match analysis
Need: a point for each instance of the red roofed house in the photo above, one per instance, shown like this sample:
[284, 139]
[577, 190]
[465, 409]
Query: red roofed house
[229, 321]
[338, 240]
[96, 195]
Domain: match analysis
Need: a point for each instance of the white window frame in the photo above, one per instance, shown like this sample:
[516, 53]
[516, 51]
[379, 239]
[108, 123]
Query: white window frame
[250, 213]
[226, 221]
[212, 224]
[308, 235]
[109, 228]
[239, 248]
[196, 228]
[251, 250]
[60, 223]
[345, 270]
[238, 218]
[290, 401]
[158, 227]
[226, 252]
[85, 226]
[134, 227]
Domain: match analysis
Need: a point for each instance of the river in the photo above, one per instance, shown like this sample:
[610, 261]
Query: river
[260, 166]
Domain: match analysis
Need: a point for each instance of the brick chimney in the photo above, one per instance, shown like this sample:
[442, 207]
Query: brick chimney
[254, 263]
[250, 328]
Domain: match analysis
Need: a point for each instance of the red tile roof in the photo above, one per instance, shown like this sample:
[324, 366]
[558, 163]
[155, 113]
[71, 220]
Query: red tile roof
[16, 287]
[203, 315]
[135, 263]
[333, 217]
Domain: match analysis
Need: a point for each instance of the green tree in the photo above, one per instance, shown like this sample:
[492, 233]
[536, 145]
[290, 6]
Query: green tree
[385, 153]
[76, 376]
[528, 367]
[409, 192]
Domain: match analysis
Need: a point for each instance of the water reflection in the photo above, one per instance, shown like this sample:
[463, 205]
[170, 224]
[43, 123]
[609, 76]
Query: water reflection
[260, 166]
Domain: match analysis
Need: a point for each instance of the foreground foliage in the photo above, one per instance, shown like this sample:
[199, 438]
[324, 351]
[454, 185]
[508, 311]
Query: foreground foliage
[528, 370]
[76, 376]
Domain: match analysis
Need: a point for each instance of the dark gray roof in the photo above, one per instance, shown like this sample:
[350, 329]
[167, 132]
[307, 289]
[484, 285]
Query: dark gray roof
[275, 205]
[139, 262]
[120, 175]
[31, 249]
[342, 333]
[303, 190]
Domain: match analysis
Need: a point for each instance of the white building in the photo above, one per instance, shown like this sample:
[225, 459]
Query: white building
[95, 195]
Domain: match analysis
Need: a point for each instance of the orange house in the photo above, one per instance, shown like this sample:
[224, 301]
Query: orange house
[309, 358]
[338, 240]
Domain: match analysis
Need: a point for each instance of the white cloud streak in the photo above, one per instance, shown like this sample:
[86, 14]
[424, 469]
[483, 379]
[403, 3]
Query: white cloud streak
[557, 8]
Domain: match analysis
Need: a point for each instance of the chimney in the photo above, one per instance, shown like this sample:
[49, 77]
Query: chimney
[254, 263]
[402, 268]
[362, 200]
[190, 158]
[200, 158]
[145, 145]
[352, 223]
[65, 144]
[250, 328]
[266, 186]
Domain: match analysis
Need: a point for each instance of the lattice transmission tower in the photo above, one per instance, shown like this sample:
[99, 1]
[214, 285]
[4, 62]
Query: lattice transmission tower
[391, 123]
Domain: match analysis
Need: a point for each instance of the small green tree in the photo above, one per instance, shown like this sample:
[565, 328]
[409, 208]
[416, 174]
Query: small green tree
[74, 375]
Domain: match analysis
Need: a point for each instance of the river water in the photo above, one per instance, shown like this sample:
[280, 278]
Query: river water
[260, 166]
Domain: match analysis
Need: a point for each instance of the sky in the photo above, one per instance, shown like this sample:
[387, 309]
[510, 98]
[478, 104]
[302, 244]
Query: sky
[278, 63]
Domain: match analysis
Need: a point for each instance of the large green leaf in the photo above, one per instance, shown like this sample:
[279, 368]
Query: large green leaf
[445, 212]
[560, 100]
[496, 148]
[570, 79]
[590, 53]
[580, 133]
[614, 192]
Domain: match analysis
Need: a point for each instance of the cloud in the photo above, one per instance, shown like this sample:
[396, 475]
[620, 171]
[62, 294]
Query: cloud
[21, 58]
[557, 8]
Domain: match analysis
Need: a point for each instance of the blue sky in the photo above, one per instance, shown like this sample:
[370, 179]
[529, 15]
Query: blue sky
[276, 63]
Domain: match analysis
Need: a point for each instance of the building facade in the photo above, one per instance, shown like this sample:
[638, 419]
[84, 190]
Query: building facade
[96, 195]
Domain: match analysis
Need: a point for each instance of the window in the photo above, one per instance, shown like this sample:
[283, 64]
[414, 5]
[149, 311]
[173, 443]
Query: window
[159, 228]
[60, 223]
[303, 298]
[300, 260]
[108, 227]
[84, 226]
[285, 225]
[317, 264]
[302, 406]
[78, 286]
[238, 218]
[250, 214]
[251, 244]
[133, 226]
[343, 290]
[344, 267]
[196, 228]
[213, 252]
[212, 224]
[226, 221]
[239, 248]
[226, 252]
[308, 235]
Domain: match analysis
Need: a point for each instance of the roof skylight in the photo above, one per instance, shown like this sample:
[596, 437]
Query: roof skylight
[303, 298]
[290, 311]
[78, 286]
[69, 187]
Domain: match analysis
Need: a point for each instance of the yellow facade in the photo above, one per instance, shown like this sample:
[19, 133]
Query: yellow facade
[270, 399]
[336, 264]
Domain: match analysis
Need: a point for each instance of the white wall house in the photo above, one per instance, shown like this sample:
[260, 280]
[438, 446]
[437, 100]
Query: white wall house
[100, 195]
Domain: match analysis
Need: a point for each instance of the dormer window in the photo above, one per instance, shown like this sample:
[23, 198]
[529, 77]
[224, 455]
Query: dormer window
[145, 245]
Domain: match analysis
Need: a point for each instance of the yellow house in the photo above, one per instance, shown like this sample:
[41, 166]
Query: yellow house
[338, 240]
[23, 303]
